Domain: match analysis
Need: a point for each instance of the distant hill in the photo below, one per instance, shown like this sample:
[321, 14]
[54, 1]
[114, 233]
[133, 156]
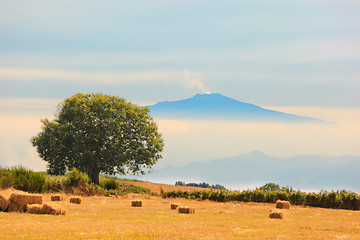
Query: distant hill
[218, 107]
[256, 168]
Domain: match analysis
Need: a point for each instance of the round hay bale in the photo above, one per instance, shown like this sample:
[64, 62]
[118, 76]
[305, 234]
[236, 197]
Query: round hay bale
[174, 206]
[282, 204]
[186, 210]
[75, 200]
[276, 215]
[136, 203]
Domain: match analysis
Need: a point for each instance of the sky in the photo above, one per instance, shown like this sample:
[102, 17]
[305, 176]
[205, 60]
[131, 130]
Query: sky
[300, 57]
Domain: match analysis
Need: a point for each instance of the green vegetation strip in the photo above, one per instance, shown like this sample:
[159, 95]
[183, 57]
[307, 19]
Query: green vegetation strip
[324, 199]
[38, 182]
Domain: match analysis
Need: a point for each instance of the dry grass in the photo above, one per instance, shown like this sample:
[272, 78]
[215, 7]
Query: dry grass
[114, 218]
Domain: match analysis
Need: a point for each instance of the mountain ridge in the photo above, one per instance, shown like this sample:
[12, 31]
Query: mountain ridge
[257, 168]
[217, 106]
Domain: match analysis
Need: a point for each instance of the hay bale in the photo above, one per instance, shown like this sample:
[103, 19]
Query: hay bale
[186, 210]
[52, 209]
[174, 206]
[34, 208]
[282, 204]
[4, 202]
[19, 201]
[276, 215]
[56, 198]
[136, 203]
[45, 209]
[75, 200]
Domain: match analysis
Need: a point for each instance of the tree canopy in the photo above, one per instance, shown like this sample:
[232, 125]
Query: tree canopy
[99, 133]
[268, 187]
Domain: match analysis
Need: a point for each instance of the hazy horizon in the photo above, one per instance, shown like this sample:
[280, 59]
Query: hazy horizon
[200, 140]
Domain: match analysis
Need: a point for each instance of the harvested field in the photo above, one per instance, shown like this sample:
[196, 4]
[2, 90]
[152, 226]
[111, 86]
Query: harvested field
[114, 218]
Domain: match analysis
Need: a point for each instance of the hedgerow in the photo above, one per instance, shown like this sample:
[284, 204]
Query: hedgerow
[326, 199]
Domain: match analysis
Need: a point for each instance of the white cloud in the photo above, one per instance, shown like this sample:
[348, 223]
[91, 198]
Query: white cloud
[28, 103]
[185, 78]
[172, 126]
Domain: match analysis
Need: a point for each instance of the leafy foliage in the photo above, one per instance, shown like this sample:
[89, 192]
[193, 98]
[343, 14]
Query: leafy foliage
[109, 184]
[99, 133]
[23, 179]
[268, 187]
[75, 178]
[74, 181]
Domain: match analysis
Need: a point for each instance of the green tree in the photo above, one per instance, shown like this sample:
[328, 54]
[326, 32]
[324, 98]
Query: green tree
[99, 133]
[269, 187]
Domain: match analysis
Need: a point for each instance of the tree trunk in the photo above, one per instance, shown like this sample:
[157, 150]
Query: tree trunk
[94, 174]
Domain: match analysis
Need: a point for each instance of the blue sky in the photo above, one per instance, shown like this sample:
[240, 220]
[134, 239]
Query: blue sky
[298, 56]
[272, 53]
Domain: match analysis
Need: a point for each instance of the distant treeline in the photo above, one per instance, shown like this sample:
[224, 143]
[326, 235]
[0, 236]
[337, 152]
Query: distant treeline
[269, 193]
[202, 185]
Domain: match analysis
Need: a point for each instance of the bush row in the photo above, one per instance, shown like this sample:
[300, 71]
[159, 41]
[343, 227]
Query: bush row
[23, 179]
[74, 181]
[325, 199]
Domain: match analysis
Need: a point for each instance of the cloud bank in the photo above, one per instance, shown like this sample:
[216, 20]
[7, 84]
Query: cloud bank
[187, 79]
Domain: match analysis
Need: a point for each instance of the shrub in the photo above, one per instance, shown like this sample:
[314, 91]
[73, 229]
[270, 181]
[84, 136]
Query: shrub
[23, 179]
[75, 178]
[109, 184]
[6, 178]
[137, 189]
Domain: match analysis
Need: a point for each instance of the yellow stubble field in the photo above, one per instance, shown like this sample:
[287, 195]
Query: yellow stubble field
[113, 218]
